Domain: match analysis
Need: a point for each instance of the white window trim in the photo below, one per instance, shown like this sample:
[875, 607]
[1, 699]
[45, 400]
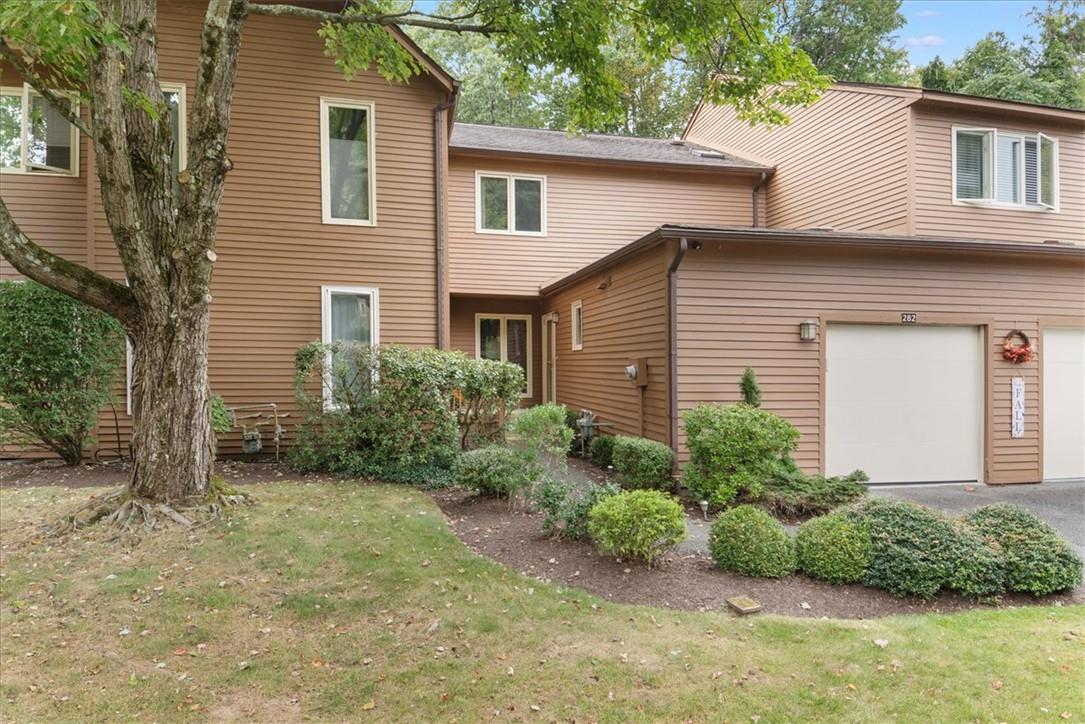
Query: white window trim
[1040, 136]
[993, 202]
[182, 122]
[510, 178]
[326, 292]
[325, 169]
[505, 342]
[578, 344]
[24, 129]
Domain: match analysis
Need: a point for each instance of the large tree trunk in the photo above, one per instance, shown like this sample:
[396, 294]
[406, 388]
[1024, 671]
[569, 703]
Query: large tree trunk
[173, 445]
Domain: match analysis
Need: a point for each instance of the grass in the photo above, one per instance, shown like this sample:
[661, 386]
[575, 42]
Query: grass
[335, 601]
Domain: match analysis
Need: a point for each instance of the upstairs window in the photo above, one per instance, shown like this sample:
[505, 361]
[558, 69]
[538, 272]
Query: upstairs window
[34, 136]
[1003, 168]
[577, 314]
[510, 204]
[346, 162]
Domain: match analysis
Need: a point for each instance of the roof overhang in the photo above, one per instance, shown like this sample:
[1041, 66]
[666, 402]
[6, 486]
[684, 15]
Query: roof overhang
[836, 239]
[747, 170]
[978, 104]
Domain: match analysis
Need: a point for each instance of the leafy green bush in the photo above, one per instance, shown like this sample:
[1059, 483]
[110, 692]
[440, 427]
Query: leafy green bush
[566, 507]
[58, 362]
[394, 412]
[488, 391]
[541, 429]
[222, 420]
[749, 541]
[751, 391]
[641, 524]
[1035, 558]
[643, 463]
[790, 493]
[833, 548]
[977, 570]
[601, 450]
[732, 449]
[496, 471]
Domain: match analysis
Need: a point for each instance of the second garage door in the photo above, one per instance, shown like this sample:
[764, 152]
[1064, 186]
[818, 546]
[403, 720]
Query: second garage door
[905, 404]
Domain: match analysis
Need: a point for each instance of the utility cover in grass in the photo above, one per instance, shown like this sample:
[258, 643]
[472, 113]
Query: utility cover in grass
[744, 605]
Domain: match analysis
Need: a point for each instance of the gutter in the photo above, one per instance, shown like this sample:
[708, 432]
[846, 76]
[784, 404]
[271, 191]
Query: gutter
[756, 189]
[672, 342]
[440, 211]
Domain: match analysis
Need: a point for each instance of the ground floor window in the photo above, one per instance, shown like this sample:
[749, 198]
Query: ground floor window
[349, 314]
[506, 338]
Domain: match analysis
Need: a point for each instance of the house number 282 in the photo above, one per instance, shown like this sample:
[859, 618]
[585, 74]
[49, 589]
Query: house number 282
[909, 318]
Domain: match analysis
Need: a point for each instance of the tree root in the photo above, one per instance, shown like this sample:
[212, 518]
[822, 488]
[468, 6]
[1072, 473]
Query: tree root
[127, 513]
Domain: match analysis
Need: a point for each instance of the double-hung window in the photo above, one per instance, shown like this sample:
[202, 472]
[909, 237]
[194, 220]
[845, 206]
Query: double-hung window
[510, 204]
[1005, 168]
[34, 136]
[348, 314]
[506, 338]
[577, 315]
[347, 185]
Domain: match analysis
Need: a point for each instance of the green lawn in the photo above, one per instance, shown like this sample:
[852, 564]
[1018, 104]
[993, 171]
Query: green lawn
[334, 601]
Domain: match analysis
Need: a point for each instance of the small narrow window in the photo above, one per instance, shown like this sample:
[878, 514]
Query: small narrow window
[348, 314]
[577, 315]
[346, 147]
[505, 338]
[1048, 173]
[973, 165]
[175, 103]
[510, 204]
[34, 136]
[1032, 172]
[1008, 181]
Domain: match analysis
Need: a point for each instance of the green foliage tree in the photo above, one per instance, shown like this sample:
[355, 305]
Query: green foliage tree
[935, 75]
[58, 362]
[751, 391]
[107, 52]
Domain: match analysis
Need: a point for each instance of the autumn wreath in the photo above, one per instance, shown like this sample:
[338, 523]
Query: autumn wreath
[1014, 352]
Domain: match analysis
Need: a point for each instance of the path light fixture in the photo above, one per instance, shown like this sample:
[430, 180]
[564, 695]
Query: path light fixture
[808, 330]
[704, 508]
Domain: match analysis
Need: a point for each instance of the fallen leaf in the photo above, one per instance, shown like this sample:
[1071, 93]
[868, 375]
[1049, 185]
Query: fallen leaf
[369, 705]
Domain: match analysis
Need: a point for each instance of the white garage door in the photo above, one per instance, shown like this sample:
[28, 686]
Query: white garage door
[1063, 357]
[904, 403]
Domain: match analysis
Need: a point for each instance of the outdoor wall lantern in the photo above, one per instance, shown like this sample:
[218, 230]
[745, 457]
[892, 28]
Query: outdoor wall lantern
[808, 330]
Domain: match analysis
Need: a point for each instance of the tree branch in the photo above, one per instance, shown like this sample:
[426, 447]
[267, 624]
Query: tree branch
[63, 105]
[411, 17]
[58, 273]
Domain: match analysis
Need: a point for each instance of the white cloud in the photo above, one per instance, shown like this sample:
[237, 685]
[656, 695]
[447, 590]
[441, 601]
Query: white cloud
[925, 41]
[927, 14]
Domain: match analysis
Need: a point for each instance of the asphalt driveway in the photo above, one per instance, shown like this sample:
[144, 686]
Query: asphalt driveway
[1060, 504]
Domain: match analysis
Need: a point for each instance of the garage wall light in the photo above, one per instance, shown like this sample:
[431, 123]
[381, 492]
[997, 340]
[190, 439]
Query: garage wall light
[808, 330]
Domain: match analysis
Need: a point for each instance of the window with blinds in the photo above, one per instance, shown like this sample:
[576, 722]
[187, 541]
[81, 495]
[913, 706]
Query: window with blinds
[1005, 169]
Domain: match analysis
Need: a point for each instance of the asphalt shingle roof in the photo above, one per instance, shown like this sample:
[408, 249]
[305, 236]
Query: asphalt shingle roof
[535, 142]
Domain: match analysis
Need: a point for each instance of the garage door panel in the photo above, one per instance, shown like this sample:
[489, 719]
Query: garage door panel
[904, 403]
[1062, 355]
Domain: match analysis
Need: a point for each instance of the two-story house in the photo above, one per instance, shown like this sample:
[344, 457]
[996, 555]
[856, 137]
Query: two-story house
[866, 260]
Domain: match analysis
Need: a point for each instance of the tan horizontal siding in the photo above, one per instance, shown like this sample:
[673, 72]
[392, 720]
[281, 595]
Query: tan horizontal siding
[273, 251]
[463, 331]
[935, 212]
[741, 305]
[841, 162]
[591, 211]
[625, 321]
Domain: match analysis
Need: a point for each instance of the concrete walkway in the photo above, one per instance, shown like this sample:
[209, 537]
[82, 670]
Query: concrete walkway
[1062, 504]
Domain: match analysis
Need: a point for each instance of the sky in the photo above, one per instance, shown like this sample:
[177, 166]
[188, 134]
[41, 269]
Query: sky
[948, 27]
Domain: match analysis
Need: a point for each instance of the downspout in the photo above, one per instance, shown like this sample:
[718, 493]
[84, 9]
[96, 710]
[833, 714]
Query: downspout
[756, 189]
[440, 150]
[672, 333]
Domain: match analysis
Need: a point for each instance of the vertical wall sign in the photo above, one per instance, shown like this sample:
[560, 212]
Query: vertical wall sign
[1017, 400]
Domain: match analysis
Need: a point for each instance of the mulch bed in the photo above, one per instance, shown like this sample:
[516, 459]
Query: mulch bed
[682, 581]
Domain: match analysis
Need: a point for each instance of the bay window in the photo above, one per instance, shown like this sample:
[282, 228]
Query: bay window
[1005, 168]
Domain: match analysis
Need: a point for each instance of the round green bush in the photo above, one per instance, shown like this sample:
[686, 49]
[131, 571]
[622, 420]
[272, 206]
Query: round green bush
[496, 471]
[641, 524]
[643, 463]
[749, 541]
[601, 450]
[833, 549]
[1035, 558]
[978, 571]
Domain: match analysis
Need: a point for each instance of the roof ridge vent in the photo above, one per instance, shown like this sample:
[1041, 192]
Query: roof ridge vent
[708, 153]
[820, 228]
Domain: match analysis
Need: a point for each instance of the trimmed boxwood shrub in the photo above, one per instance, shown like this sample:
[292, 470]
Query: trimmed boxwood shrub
[749, 541]
[601, 450]
[977, 570]
[833, 548]
[643, 463]
[732, 449]
[790, 493]
[641, 524]
[1035, 558]
[495, 471]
